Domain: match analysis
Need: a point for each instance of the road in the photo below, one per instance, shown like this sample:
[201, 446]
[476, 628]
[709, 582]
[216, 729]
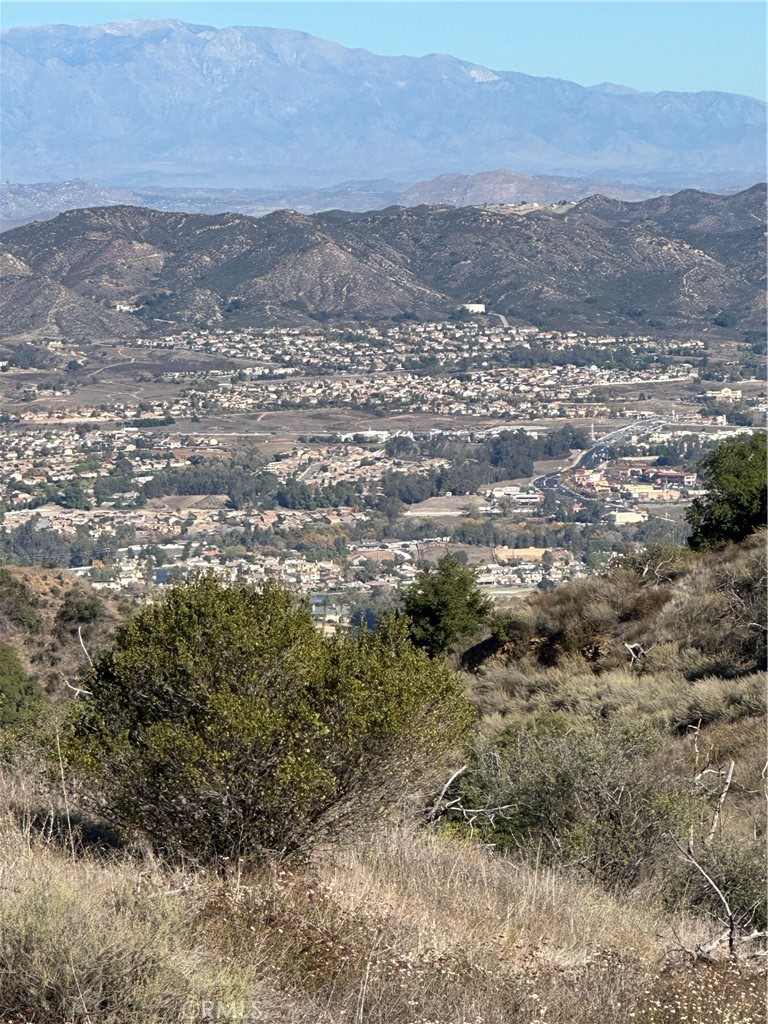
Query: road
[309, 472]
[592, 457]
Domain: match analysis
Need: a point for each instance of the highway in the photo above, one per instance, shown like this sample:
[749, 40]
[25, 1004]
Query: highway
[593, 457]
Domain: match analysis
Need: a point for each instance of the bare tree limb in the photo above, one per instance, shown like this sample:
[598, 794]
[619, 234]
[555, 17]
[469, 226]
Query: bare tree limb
[719, 808]
[66, 801]
[688, 856]
[85, 650]
[76, 689]
[436, 805]
[695, 729]
[637, 651]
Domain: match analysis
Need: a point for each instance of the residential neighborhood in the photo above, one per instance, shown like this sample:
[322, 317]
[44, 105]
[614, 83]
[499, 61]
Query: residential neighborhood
[337, 461]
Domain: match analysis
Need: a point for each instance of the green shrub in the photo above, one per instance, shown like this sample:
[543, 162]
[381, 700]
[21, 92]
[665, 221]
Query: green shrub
[656, 564]
[21, 698]
[18, 605]
[78, 610]
[716, 700]
[591, 794]
[223, 724]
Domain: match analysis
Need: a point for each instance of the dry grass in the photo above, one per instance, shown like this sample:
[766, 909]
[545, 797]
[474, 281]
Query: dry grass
[102, 942]
[409, 928]
[518, 690]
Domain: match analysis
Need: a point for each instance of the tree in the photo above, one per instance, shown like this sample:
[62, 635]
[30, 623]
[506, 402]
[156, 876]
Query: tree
[734, 474]
[445, 605]
[222, 723]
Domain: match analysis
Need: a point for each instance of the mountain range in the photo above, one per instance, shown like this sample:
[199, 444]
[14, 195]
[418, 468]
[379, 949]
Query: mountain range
[20, 204]
[674, 263]
[164, 103]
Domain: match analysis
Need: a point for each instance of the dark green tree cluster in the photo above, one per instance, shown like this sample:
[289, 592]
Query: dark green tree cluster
[29, 544]
[474, 464]
[734, 475]
[222, 723]
[79, 610]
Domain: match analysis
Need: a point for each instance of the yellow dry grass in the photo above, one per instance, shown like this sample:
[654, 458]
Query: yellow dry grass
[411, 927]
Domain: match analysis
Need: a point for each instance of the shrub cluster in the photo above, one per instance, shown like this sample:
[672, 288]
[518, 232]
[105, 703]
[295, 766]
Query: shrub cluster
[597, 795]
[222, 723]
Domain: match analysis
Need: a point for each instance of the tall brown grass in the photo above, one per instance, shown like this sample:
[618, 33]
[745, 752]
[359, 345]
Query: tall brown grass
[410, 927]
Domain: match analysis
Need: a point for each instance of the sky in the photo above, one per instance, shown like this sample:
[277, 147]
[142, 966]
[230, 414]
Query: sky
[651, 46]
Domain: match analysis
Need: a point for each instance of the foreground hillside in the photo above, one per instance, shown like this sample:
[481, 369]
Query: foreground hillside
[686, 262]
[406, 929]
[598, 854]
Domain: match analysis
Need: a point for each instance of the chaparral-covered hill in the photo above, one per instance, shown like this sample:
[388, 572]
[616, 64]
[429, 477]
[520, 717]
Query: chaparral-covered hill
[683, 262]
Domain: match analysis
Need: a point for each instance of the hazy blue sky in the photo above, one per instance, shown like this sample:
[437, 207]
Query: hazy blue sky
[647, 45]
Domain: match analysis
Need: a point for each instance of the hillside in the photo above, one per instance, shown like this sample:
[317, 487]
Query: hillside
[677, 262]
[554, 877]
[662, 609]
[167, 103]
[41, 611]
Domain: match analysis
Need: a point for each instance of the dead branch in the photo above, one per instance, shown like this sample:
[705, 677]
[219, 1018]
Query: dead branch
[471, 814]
[681, 946]
[636, 652]
[77, 690]
[687, 855]
[696, 729]
[712, 946]
[82, 644]
[436, 805]
[719, 808]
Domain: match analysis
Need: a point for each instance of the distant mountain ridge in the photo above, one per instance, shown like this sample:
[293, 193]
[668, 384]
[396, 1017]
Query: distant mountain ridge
[20, 204]
[162, 103]
[684, 262]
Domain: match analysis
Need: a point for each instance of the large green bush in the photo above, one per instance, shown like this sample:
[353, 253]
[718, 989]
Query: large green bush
[222, 723]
